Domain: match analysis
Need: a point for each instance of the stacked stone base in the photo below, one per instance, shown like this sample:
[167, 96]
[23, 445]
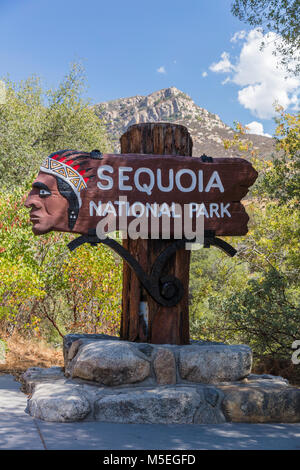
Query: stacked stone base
[105, 379]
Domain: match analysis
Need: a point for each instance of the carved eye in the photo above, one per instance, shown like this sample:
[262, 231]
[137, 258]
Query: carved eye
[44, 193]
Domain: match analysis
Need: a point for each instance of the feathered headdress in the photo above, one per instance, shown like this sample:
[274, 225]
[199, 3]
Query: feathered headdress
[72, 167]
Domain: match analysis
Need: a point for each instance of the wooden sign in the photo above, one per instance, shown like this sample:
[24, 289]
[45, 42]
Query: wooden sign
[75, 191]
[156, 193]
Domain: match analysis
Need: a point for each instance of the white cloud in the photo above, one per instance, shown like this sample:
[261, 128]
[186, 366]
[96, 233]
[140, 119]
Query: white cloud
[223, 66]
[238, 36]
[204, 74]
[161, 69]
[255, 127]
[261, 80]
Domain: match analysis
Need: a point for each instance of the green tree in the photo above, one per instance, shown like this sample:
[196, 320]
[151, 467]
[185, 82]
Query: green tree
[280, 16]
[280, 179]
[44, 287]
[255, 296]
[35, 122]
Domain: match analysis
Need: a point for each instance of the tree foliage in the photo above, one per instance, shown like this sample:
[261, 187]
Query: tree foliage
[280, 16]
[281, 178]
[254, 297]
[47, 288]
[44, 288]
[35, 122]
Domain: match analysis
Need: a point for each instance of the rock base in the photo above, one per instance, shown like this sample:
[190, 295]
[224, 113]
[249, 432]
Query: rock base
[106, 379]
[109, 361]
[255, 399]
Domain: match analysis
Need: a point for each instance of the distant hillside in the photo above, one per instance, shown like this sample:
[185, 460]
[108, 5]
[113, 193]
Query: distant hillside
[172, 105]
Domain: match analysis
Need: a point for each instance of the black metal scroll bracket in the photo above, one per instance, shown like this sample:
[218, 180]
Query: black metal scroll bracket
[165, 290]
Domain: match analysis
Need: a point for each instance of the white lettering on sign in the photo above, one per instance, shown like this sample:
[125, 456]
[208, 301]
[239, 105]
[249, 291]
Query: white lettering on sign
[224, 209]
[123, 178]
[193, 181]
[97, 209]
[146, 179]
[145, 188]
[138, 209]
[215, 182]
[165, 189]
[101, 176]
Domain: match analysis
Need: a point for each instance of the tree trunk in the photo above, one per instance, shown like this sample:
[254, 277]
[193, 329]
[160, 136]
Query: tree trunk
[162, 325]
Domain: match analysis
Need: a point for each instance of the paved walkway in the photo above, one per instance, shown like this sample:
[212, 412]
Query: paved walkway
[20, 431]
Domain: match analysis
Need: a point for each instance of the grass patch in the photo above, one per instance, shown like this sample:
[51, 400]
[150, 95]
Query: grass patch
[23, 353]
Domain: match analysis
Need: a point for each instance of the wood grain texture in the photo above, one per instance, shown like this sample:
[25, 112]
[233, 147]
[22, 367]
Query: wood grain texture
[166, 325]
[236, 175]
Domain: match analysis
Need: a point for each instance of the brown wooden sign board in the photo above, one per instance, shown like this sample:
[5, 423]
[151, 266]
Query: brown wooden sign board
[74, 191]
[155, 178]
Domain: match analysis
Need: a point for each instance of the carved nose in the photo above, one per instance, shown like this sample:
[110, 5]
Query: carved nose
[27, 202]
[30, 201]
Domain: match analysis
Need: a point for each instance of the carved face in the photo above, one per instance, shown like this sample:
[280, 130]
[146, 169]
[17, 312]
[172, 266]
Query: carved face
[49, 209]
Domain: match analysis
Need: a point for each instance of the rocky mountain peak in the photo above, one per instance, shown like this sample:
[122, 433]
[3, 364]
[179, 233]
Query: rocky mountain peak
[173, 105]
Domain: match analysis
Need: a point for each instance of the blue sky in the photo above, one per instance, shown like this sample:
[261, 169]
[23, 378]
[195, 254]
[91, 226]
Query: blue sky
[134, 48]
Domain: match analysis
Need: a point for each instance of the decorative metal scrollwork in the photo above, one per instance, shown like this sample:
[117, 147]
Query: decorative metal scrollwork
[165, 290]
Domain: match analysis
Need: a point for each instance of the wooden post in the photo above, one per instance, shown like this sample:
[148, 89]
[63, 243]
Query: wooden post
[166, 325]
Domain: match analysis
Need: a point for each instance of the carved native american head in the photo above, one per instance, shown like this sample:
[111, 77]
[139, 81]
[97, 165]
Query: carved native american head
[55, 198]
